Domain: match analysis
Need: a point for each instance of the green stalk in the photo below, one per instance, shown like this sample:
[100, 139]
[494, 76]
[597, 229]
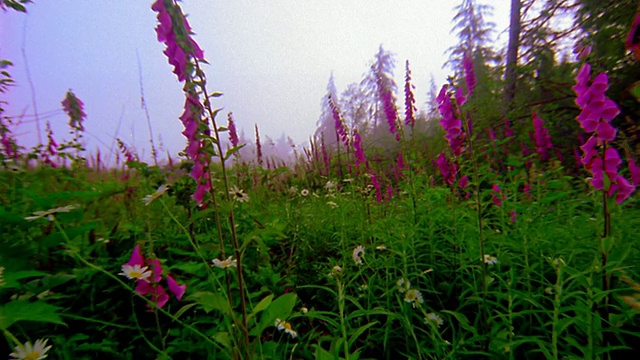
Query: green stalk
[232, 225]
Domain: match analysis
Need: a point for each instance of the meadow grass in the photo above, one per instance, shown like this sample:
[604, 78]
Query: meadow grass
[462, 250]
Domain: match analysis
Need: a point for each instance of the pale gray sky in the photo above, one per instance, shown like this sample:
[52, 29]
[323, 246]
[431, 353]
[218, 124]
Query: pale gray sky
[271, 59]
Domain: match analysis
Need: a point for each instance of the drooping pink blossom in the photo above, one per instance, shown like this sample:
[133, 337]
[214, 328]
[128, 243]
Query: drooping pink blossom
[233, 133]
[359, 151]
[634, 169]
[341, 130]
[175, 32]
[258, 146]
[497, 196]
[508, 132]
[469, 74]
[595, 117]
[74, 108]
[542, 138]
[451, 124]
[448, 169]
[377, 187]
[151, 287]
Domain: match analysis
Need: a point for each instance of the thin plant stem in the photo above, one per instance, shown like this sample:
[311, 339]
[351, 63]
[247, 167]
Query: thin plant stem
[232, 225]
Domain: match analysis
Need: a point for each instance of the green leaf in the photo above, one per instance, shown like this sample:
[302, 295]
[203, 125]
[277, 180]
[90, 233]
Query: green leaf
[281, 308]
[359, 332]
[183, 310]
[263, 304]
[38, 311]
[216, 94]
[635, 90]
[211, 301]
[11, 277]
[224, 339]
[233, 150]
[322, 354]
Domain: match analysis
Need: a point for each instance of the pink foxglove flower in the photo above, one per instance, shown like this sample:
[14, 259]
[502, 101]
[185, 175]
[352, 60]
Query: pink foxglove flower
[75, 110]
[542, 138]
[341, 130]
[148, 274]
[175, 32]
[469, 74]
[233, 133]
[595, 117]
[497, 196]
[359, 151]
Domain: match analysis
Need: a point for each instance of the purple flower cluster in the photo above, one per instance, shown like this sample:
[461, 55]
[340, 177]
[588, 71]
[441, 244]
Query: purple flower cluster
[448, 169]
[191, 120]
[75, 110]
[497, 196]
[151, 286]
[388, 106]
[450, 122]
[52, 148]
[469, 74]
[341, 130]
[8, 142]
[359, 151]
[595, 118]
[174, 30]
[233, 132]
[541, 137]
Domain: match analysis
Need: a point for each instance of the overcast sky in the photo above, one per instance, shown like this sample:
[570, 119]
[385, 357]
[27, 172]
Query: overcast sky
[271, 59]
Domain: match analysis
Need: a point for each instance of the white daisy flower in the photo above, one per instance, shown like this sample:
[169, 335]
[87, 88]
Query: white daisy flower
[358, 255]
[283, 325]
[403, 285]
[136, 272]
[230, 262]
[239, 194]
[335, 270]
[49, 213]
[434, 319]
[28, 352]
[490, 260]
[413, 296]
[162, 189]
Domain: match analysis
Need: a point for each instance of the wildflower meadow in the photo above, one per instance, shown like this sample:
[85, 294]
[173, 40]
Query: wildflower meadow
[492, 226]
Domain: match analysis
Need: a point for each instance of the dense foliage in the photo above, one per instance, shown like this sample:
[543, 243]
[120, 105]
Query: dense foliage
[473, 230]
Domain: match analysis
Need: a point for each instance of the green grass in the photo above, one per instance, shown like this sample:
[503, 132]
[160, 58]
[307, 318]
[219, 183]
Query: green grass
[545, 297]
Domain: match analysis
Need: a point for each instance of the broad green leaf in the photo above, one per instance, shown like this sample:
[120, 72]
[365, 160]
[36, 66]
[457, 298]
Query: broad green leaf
[211, 301]
[38, 311]
[183, 310]
[224, 339]
[263, 304]
[280, 308]
[359, 332]
[322, 354]
[11, 277]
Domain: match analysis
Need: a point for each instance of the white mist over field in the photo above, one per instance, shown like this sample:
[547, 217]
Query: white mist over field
[271, 59]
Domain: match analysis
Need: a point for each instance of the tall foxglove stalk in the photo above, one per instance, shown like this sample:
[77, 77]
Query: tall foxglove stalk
[541, 137]
[409, 99]
[595, 117]
[185, 55]
[388, 100]
[600, 159]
